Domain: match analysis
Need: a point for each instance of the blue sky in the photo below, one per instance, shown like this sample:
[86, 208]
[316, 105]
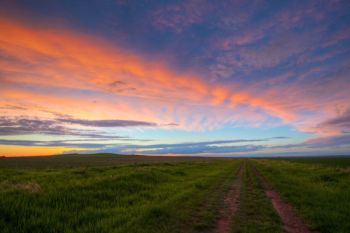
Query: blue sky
[219, 78]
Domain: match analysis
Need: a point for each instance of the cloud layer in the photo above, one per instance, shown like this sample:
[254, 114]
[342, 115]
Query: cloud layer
[184, 66]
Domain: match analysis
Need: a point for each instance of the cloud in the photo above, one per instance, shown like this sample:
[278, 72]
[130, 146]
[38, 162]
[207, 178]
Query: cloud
[179, 17]
[57, 143]
[204, 149]
[24, 126]
[107, 123]
[190, 148]
[90, 78]
[109, 145]
[193, 65]
[195, 144]
[40, 73]
[218, 146]
[18, 126]
[340, 123]
[331, 141]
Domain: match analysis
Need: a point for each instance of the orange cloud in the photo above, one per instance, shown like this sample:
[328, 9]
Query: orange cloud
[53, 68]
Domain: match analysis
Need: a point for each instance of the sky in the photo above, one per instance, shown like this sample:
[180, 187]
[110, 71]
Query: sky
[194, 77]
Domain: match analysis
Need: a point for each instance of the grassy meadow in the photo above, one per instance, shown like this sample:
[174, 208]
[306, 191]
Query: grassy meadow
[129, 197]
[318, 188]
[114, 193]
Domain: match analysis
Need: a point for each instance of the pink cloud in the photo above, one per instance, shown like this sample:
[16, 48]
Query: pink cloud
[54, 68]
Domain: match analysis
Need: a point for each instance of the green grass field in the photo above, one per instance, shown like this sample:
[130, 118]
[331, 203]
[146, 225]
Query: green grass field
[318, 188]
[154, 197]
[114, 193]
[327, 161]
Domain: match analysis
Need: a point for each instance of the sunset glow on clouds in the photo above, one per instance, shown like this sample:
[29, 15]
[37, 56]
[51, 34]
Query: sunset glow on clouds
[185, 77]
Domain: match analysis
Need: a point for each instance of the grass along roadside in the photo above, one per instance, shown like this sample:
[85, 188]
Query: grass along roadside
[255, 213]
[320, 194]
[90, 160]
[136, 198]
[341, 161]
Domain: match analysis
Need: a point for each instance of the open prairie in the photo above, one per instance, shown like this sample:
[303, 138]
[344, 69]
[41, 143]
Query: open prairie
[112, 193]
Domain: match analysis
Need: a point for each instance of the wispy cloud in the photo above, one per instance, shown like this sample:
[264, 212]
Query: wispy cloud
[18, 126]
[107, 123]
[154, 85]
[217, 146]
[179, 17]
[57, 143]
[341, 123]
[174, 67]
[330, 141]
[23, 126]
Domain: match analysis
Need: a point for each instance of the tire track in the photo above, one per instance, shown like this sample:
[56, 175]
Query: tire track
[291, 222]
[231, 202]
